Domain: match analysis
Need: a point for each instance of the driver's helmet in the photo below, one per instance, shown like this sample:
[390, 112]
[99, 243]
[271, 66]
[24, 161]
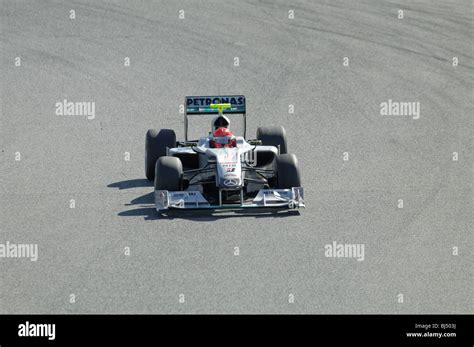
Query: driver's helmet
[221, 138]
[220, 121]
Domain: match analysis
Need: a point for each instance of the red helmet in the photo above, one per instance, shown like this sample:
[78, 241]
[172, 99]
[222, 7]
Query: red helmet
[222, 137]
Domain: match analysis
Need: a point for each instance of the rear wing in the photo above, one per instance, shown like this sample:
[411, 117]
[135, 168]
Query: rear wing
[202, 105]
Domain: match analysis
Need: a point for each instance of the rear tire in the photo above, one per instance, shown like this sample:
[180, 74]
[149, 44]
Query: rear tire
[155, 147]
[168, 174]
[273, 136]
[288, 173]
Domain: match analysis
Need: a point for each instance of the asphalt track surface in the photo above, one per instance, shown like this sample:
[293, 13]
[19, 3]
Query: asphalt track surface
[283, 61]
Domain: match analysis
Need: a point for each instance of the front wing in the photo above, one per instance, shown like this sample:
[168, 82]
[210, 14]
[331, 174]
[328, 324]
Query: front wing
[283, 198]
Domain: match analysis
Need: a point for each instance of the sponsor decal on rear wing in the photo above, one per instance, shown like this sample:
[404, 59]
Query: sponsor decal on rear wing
[202, 104]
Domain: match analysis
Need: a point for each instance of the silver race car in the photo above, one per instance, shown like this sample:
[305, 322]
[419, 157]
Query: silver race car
[222, 170]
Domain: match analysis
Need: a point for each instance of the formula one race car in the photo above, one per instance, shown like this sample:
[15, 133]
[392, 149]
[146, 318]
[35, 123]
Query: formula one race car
[222, 170]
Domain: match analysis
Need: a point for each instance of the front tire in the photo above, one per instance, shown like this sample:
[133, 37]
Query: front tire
[155, 147]
[168, 174]
[288, 173]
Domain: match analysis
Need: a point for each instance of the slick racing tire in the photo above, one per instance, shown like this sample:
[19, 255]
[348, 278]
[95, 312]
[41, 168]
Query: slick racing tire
[155, 147]
[168, 174]
[288, 173]
[273, 136]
